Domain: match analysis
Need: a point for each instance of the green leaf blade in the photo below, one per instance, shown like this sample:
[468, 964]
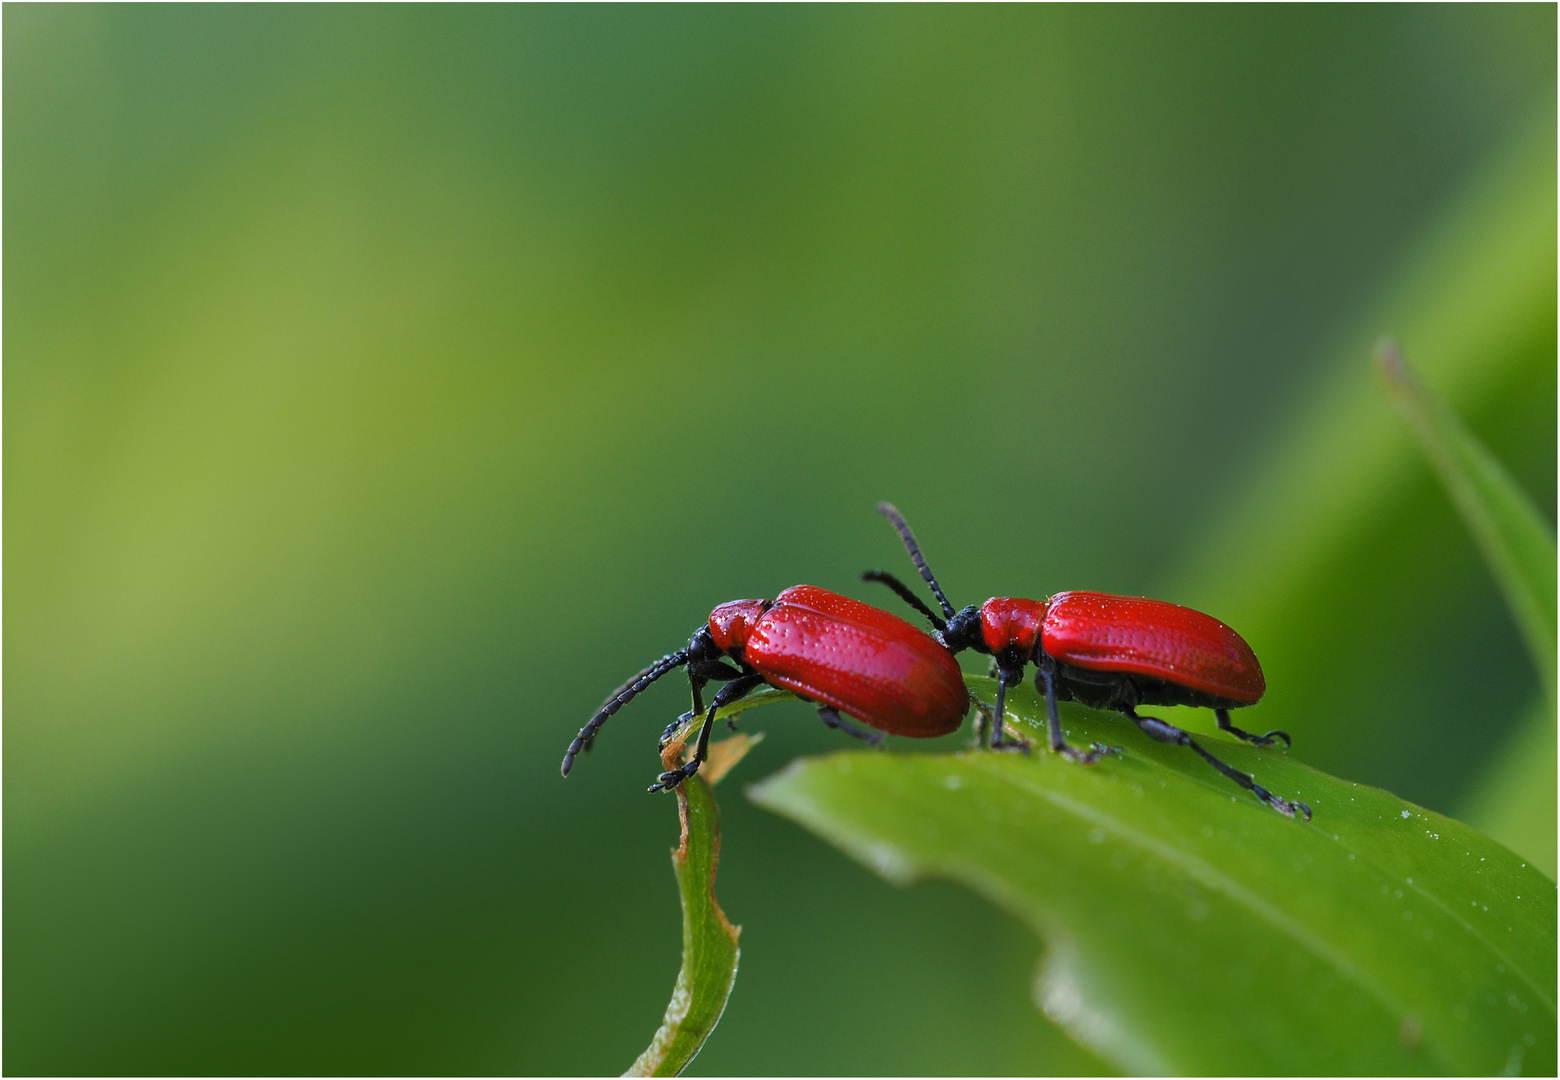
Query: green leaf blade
[1190, 929]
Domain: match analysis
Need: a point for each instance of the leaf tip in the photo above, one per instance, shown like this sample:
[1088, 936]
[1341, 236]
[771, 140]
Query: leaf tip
[1394, 369]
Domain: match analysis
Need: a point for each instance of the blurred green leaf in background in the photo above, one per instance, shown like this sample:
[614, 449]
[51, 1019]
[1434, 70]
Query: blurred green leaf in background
[1515, 799]
[1325, 562]
[384, 384]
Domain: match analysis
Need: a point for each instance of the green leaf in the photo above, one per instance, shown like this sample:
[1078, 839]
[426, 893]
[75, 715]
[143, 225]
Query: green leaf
[1190, 929]
[1515, 540]
[710, 952]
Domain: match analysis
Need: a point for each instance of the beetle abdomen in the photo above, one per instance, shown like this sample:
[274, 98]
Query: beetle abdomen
[1103, 632]
[860, 660]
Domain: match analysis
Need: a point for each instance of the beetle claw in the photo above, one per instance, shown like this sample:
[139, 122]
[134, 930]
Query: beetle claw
[671, 729]
[1283, 806]
[669, 780]
[1089, 756]
[1273, 736]
[1291, 809]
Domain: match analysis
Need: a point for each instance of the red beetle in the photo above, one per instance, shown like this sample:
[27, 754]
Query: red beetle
[1107, 652]
[846, 656]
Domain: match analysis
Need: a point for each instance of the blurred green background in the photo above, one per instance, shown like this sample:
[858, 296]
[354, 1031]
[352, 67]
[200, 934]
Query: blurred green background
[383, 385]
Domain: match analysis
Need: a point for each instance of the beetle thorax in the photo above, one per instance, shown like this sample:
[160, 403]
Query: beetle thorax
[732, 622]
[1010, 627]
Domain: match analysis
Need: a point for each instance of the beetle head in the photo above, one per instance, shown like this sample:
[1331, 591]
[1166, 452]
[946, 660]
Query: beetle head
[963, 631]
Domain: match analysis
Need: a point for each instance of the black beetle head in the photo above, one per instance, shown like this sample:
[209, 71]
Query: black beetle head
[963, 631]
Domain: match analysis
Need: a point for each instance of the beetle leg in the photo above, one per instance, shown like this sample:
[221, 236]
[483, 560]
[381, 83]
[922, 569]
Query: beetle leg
[1045, 682]
[715, 671]
[1269, 739]
[696, 684]
[1169, 733]
[698, 678]
[1004, 680]
[735, 690]
[831, 718]
[671, 729]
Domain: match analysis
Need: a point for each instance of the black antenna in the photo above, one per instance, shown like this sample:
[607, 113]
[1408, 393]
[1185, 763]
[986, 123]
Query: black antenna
[899, 522]
[906, 595]
[620, 697]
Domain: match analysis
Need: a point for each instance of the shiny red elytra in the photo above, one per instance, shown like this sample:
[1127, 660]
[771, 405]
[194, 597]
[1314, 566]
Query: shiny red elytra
[1149, 638]
[843, 655]
[1107, 652]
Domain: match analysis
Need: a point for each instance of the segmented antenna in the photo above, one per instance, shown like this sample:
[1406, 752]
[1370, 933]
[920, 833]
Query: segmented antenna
[620, 697]
[899, 522]
[903, 590]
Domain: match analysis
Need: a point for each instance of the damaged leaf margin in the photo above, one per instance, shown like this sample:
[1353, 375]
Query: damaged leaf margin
[710, 950]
